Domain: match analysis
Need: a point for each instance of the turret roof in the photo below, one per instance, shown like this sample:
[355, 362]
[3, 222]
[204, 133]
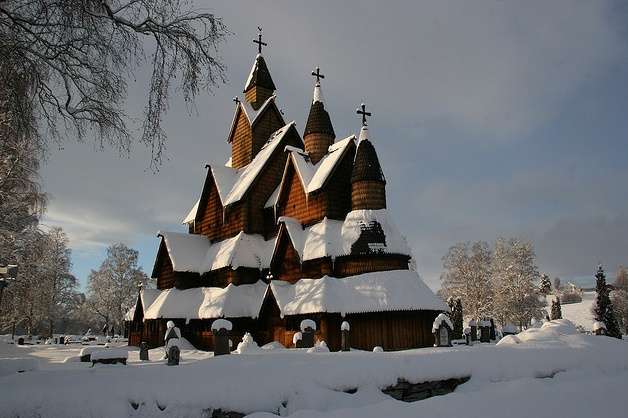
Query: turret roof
[366, 165]
[259, 75]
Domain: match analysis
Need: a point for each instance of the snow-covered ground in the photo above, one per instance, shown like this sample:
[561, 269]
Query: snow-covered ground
[547, 372]
[580, 313]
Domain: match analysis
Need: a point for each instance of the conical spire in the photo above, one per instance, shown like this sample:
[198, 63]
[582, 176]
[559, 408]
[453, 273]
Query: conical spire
[366, 166]
[319, 133]
[259, 85]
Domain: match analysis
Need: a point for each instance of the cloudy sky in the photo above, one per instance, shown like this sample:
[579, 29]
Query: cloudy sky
[491, 118]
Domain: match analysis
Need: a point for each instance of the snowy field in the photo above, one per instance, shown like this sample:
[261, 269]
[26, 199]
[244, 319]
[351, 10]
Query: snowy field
[580, 313]
[544, 372]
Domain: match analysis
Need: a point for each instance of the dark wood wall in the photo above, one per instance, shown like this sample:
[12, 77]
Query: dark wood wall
[241, 141]
[165, 274]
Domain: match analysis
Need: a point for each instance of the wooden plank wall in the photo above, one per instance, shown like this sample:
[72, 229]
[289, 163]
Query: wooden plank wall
[295, 204]
[166, 277]
[338, 188]
[241, 142]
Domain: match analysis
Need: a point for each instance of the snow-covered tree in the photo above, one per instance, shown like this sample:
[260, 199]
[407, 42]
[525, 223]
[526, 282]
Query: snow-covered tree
[621, 278]
[557, 312]
[557, 283]
[545, 286]
[112, 289]
[467, 277]
[602, 306]
[619, 298]
[514, 273]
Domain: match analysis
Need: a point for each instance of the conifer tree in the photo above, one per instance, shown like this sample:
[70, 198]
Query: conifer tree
[556, 309]
[457, 318]
[603, 307]
[545, 286]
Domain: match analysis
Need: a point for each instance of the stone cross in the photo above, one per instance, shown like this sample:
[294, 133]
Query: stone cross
[362, 111]
[259, 41]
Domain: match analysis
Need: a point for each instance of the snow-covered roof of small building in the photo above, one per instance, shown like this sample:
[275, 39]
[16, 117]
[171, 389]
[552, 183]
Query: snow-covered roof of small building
[209, 302]
[248, 174]
[147, 297]
[252, 115]
[333, 238]
[396, 290]
[195, 253]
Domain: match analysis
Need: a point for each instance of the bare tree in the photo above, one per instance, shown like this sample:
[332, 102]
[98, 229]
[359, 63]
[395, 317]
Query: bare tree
[77, 54]
[467, 276]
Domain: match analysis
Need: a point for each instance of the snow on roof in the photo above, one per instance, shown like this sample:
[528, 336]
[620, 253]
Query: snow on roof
[221, 323]
[195, 253]
[147, 296]
[249, 173]
[191, 216]
[332, 238]
[327, 164]
[272, 200]
[252, 114]
[395, 290]
[209, 302]
[224, 177]
[443, 317]
[364, 134]
[318, 94]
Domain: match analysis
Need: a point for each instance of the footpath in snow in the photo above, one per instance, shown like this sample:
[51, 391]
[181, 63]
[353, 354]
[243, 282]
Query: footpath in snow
[550, 371]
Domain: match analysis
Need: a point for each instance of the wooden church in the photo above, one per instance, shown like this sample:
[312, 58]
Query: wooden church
[291, 227]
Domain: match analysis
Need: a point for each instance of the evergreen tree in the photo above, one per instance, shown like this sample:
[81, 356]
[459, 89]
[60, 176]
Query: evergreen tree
[457, 318]
[545, 286]
[603, 307]
[556, 309]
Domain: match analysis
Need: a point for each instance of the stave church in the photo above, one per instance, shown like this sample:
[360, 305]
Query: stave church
[293, 226]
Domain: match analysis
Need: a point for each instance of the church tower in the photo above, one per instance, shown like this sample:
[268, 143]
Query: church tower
[368, 185]
[259, 85]
[319, 132]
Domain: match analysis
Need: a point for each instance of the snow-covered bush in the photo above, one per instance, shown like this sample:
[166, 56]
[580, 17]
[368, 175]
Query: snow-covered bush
[247, 345]
[378, 349]
[319, 347]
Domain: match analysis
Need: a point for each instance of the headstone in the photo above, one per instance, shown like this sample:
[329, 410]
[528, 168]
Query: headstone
[493, 333]
[474, 330]
[308, 328]
[467, 336]
[62, 340]
[485, 331]
[221, 342]
[599, 328]
[144, 351]
[173, 356]
[345, 345]
[442, 329]
[20, 341]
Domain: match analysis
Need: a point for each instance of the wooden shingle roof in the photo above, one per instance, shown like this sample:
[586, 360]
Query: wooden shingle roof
[366, 165]
[260, 75]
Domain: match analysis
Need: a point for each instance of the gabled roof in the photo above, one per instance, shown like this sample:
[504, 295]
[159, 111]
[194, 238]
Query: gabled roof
[259, 75]
[146, 298]
[197, 254]
[191, 216]
[332, 238]
[252, 115]
[315, 176]
[209, 302]
[247, 175]
[396, 290]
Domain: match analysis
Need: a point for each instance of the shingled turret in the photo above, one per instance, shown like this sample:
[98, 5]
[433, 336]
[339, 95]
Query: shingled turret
[368, 184]
[319, 133]
[259, 85]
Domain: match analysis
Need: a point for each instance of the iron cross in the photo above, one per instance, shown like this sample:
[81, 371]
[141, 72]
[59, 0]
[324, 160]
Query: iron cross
[318, 74]
[236, 100]
[259, 41]
[362, 111]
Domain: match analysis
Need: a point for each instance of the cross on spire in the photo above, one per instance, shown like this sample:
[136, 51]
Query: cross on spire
[236, 100]
[362, 111]
[259, 40]
[318, 74]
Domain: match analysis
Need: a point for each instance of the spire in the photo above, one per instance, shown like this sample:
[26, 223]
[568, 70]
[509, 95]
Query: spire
[259, 85]
[368, 184]
[319, 133]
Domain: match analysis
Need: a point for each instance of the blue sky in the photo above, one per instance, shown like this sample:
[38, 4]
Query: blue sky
[491, 118]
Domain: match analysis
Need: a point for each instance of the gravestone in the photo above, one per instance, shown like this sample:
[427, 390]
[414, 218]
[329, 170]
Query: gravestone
[599, 328]
[297, 340]
[344, 334]
[62, 340]
[173, 356]
[144, 351]
[493, 333]
[20, 341]
[442, 329]
[509, 329]
[474, 330]
[467, 336]
[485, 331]
[308, 328]
[220, 330]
